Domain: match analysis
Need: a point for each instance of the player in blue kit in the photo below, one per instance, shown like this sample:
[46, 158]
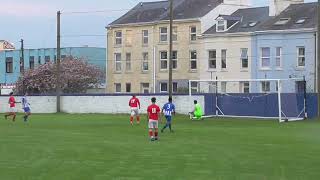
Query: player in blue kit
[168, 109]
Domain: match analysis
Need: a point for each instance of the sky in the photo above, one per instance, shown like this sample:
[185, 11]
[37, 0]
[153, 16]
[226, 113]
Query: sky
[35, 21]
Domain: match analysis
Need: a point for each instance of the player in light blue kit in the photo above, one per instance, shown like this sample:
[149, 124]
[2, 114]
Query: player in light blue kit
[168, 109]
[26, 107]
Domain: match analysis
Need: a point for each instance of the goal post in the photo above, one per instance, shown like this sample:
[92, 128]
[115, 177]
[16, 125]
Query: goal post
[282, 99]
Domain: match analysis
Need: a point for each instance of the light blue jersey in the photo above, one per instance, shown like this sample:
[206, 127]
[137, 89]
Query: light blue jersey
[168, 109]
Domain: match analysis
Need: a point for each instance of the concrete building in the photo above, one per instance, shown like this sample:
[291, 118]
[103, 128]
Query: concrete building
[138, 44]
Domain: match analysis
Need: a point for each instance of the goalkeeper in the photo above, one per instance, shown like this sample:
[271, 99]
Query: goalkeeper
[197, 111]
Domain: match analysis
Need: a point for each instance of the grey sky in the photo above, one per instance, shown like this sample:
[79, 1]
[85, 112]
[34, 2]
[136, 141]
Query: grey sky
[35, 20]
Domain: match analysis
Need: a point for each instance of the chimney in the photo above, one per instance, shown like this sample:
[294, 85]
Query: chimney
[277, 6]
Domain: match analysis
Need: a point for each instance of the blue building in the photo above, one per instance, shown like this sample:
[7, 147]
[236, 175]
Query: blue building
[285, 47]
[10, 59]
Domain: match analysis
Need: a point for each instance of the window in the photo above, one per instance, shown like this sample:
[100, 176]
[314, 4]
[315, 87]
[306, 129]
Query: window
[118, 39]
[245, 87]
[128, 61]
[194, 87]
[21, 64]
[174, 59]
[193, 33]
[252, 23]
[163, 34]
[282, 21]
[223, 59]
[221, 26]
[278, 57]
[265, 86]
[301, 57]
[223, 87]
[31, 62]
[244, 58]
[174, 33]
[128, 87]
[117, 87]
[55, 59]
[145, 88]
[145, 37]
[175, 87]
[128, 38]
[193, 60]
[117, 59]
[145, 61]
[301, 20]
[39, 59]
[163, 60]
[47, 59]
[163, 87]
[265, 57]
[212, 59]
[300, 86]
[9, 65]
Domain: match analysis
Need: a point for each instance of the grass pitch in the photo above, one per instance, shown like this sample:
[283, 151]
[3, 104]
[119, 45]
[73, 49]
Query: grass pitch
[93, 147]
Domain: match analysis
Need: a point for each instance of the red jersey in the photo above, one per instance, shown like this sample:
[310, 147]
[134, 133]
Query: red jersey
[12, 101]
[134, 102]
[153, 111]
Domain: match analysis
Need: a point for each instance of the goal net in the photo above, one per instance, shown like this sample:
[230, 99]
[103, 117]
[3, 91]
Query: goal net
[282, 99]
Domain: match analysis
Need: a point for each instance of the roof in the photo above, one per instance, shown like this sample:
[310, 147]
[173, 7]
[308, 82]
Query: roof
[146, 12]
[294, 12]
[249, 15]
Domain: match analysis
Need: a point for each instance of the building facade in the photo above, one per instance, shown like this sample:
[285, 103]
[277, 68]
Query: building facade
[138, 44]
[10, 59]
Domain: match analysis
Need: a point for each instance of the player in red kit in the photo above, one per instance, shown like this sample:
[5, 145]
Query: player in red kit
[134, 104]
[12, 103]
[153, 116]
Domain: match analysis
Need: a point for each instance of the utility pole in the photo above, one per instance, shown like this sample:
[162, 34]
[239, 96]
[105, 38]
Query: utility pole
[170, 49]
[318, 60]
[58, 88]
[22, 64]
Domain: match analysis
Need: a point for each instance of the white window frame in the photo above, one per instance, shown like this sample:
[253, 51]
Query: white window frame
[174, 33]
[278, 62]
[224, 59]
[244, 86]
[117, 62]
[163, 34]
[175, 60]
[164, 60]
[145, 60]
[128, 62]
[223, 87]
[193, 35]
[116, 86]
[244, 58]
[194, 87]
[193, 60]
[221, 23]
[301, 56]
[264, 86]
[212, 59]
[161, 84]
[143, 88]
[118, 39]
[265, 57]
[145, 37]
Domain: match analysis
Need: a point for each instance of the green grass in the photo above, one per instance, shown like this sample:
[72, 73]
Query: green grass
[90, 147]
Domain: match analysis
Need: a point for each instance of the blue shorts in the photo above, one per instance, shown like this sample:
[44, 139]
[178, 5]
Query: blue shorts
[27, 110]
[169, 118]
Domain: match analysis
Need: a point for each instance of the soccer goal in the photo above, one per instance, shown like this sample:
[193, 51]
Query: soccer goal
[282, 99]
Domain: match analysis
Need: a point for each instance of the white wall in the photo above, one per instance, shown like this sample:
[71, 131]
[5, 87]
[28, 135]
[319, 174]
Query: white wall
[99, 104]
